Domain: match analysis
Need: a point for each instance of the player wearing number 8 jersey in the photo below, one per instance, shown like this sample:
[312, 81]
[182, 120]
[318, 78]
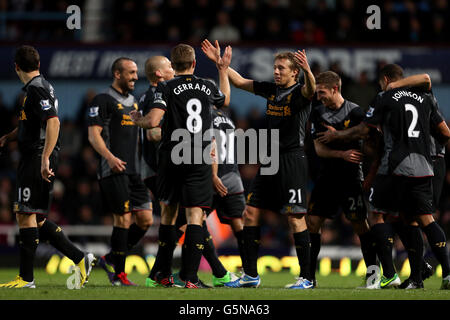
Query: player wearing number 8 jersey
[185, 102]
[288, 108]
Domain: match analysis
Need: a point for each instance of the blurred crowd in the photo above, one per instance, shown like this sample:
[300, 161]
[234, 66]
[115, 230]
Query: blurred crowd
[76, 197]
[313, 22]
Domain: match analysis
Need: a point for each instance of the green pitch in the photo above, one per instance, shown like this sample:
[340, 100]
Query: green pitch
[333, 287]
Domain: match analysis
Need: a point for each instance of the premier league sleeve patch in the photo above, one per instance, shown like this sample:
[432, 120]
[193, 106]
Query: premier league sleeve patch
[45, 104]
[93, 112]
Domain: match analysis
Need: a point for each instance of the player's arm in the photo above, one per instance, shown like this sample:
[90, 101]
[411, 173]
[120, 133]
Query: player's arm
[442, 133]
[51, 138]
[418, 80]
[373, 148]
[309, 87]
[222, 64]
[222, 67]
[240, 82]
[358, 132]
[324, 151]
[154, 134]
[97, 142]
[217, 182]
[12, 136]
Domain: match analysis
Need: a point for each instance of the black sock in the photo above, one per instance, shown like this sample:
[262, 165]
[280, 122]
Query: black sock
[54, 234]
[315, 249]
[303, 248]
[167, 241]
[438, 243]
[415, 251]
[210, 254]
[368, 249]
[251, 237]
[135, 233]
[119, 248]
[179, 234]
[194, 243]
[28, 242]
[384, 237]
[240, 242]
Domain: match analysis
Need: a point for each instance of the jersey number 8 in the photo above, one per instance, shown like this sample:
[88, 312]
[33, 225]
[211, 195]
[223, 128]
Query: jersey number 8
[194, 120]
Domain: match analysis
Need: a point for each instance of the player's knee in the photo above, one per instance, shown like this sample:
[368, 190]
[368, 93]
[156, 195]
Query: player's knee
[144, 219]
[122, 220]
[312, 224]
[250, 216]
[425, 219]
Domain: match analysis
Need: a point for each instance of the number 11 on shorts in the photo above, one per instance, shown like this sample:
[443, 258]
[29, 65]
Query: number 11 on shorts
[296, 196]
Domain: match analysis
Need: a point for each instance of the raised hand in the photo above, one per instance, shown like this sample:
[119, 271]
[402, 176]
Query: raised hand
[302, 60]
[213, 53]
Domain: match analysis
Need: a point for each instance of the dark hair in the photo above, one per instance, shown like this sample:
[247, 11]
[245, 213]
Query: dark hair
[117, 64]
[27, 58]
[391, 71]
[291, 57]
[329, 79]
[182, 56]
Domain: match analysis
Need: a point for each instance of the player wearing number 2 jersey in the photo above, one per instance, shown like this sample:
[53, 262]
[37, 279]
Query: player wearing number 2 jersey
[186, 102]
[410, 116]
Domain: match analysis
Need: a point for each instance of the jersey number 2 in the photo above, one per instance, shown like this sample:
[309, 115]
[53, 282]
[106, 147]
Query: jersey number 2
[415, 115]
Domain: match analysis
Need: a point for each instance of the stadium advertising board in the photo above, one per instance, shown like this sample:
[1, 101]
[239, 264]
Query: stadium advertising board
[256, 62]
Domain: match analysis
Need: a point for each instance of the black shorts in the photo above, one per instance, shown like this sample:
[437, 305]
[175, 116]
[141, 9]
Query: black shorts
[33, 192]
[123, 193]
[229, 207]
[285, 191]
[438, 180]
[150, 183]
[414, 195]
[331, 195]
[383, 195]
[188, 185]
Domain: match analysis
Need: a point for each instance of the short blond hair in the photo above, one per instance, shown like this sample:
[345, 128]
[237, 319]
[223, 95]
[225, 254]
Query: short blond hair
[291, 57]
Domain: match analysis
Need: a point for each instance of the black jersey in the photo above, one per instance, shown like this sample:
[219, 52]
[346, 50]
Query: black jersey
[188, 102]
[437, 149]
[347, 116]
[409, 115]
[226, 143]
[288, 111]
[39, 105]
[148, 148]
[110, 110]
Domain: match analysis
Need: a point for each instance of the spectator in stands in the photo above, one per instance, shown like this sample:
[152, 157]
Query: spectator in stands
[224, 31]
